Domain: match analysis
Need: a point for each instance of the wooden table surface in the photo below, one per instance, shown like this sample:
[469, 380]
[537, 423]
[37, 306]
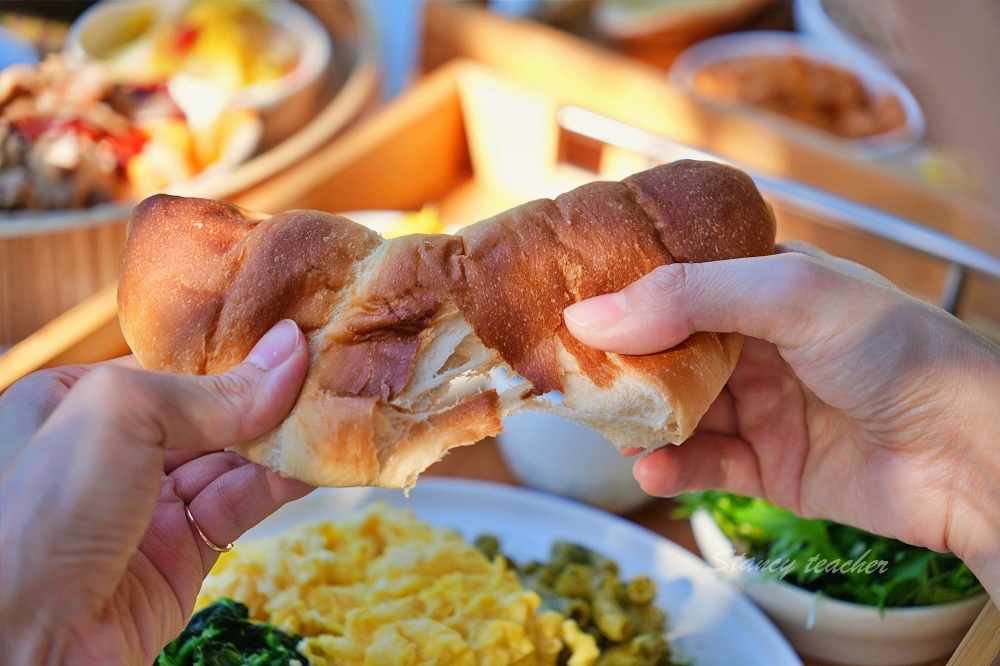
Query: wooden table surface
[483, 462]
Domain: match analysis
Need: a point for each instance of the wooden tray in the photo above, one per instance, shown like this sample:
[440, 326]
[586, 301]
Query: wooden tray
[574, 72]
[477, 141]
[66, 257]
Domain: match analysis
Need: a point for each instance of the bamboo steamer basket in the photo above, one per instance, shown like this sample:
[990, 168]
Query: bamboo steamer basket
[52, 260]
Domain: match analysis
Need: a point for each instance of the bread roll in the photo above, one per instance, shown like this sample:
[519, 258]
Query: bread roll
[390, 323]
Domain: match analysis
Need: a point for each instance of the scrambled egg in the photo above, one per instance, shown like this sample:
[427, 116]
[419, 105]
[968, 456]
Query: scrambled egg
[380, 587]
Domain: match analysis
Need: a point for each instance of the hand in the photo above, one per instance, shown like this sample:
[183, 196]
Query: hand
[851, 400]
[98, 562]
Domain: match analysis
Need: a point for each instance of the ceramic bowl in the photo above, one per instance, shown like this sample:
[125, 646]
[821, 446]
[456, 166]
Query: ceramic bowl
[285, 104]
[835, 631]
[569, 459]
[566, 458]
[874, 75]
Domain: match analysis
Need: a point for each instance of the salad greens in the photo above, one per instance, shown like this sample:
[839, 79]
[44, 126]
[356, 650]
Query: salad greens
[836, 560]
[222, 635]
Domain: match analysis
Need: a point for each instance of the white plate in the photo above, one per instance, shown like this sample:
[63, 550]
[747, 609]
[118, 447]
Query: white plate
[709, 621]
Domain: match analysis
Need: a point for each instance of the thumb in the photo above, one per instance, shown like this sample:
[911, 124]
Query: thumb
[788, 299]
[203, 413]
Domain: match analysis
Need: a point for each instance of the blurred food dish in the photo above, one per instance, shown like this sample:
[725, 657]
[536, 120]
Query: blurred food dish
[434, 585]
[845, 94]
[657, 30]
[366, 587]
[80, 248]
[71, 138]
[213, 54]
[685, 19]
[853, 25]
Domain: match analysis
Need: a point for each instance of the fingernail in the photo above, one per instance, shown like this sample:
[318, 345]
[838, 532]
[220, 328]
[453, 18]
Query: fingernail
[597, 313]
[276, 346]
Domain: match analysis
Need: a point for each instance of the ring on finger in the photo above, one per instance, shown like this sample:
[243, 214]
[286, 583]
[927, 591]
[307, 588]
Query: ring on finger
[208, 542]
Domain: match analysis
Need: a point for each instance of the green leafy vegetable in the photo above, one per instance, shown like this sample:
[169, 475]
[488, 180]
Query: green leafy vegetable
[839, 561]
[222, 635]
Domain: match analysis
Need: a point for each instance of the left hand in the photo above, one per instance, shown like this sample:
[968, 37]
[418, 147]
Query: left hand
[98, 562]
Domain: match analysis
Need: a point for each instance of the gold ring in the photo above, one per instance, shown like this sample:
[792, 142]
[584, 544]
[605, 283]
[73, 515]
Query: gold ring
[208, 542]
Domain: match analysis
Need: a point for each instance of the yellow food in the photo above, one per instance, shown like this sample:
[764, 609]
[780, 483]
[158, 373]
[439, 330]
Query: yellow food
[229, 42]
[427, 220]
[380, 587]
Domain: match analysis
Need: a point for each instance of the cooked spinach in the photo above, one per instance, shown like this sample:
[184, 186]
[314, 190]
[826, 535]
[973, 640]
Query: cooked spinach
[223, 635]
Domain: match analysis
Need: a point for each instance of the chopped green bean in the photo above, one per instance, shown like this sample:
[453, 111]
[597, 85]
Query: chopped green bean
[584, 586]
[489, 545]
[573, 581]
[640, 590]
[609, 616]
[650, 647]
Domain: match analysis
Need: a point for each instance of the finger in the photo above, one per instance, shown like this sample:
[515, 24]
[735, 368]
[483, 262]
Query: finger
[194, 475]
[236, 501]
[185, 412]
[788, 299]
[174, 459]
[721, 415]
[705, 461]
[26, 405]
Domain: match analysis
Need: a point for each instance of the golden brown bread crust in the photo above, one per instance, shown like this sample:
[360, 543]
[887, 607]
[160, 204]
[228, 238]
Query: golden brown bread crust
[201, 281]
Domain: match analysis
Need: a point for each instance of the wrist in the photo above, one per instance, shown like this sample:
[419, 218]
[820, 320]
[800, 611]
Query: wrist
[974, 520]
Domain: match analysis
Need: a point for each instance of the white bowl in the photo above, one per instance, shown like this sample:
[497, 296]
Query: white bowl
[869, 31]
[836, 631]
[285, 103]
[566, 458]
[874, 75]
[569, 459]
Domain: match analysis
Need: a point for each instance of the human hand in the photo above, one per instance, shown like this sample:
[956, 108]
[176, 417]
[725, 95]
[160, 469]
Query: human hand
[98, 562]
[851, 401]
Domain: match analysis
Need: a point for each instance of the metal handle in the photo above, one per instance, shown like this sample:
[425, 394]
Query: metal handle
[827, 207]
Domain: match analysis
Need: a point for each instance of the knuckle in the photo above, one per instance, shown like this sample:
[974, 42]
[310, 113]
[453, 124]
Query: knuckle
[668, 279]
[45, 385]
[129, 402]
[234, 388]
[36, 382]
[666, 284]
[118, 387]
[800, 270]
[233, 398]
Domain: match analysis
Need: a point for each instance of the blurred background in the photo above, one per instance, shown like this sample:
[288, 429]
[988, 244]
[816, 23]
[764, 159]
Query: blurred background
[886, 105]
[869, 126]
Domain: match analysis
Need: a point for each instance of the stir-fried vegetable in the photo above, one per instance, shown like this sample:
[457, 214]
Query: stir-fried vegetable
[839, 561]
[584, 586]
[221, 635]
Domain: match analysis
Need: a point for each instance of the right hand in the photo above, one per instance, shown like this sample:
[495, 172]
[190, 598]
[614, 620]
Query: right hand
[851, 401]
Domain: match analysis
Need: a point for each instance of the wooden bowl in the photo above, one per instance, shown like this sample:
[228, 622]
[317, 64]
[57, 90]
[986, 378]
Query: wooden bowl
[52, 260]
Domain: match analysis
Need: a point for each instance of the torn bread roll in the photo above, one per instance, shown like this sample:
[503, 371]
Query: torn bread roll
[390, 323]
